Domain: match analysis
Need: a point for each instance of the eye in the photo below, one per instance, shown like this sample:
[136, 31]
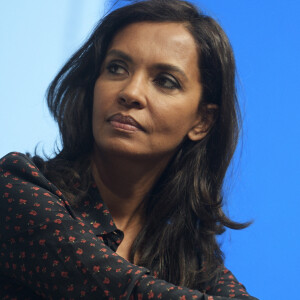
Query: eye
[167, 81]
[116, 68]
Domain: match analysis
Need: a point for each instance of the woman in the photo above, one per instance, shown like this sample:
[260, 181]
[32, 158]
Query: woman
[148, 117]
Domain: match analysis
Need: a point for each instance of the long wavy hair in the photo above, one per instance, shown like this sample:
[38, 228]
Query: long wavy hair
[184, 208]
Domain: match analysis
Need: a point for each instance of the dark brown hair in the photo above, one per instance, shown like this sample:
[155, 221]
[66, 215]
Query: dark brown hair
[184, 209]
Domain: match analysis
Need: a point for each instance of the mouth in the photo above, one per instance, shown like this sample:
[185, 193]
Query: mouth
[127, 123]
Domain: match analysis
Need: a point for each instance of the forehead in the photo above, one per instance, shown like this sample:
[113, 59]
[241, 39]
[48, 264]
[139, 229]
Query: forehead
[155, 42]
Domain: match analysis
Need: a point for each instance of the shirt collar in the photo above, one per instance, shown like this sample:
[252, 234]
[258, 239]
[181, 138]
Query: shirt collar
[93, 211]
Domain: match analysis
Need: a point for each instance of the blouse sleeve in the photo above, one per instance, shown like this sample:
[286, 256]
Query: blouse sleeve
[47, 250]
[228, 285]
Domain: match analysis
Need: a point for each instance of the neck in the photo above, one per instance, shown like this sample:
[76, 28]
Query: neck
[124, 183]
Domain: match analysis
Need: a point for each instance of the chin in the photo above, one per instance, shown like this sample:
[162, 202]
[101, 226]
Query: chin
[120, 148]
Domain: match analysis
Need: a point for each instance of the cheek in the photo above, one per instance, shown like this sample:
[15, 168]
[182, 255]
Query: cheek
[103, 97]
[96, 115]
[98, 109]
[174, 118]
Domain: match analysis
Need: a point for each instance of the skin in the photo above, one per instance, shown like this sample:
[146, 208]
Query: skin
[151, 74]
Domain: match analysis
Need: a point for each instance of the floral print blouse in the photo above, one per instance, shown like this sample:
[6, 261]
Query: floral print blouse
[50, 249]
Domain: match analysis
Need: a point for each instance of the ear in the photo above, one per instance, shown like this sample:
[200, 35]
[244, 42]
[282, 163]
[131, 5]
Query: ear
[206, 120]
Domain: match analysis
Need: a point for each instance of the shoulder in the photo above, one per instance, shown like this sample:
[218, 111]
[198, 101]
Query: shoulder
[27, 198]
[18, 169]
[18, 163]
[15, 160]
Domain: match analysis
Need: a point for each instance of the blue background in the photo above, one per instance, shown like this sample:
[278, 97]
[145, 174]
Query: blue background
[37, 37]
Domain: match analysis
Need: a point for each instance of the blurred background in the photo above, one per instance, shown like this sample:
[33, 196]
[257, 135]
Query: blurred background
[37, 37]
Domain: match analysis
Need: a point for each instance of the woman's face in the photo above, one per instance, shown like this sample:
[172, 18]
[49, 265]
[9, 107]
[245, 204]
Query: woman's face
[147, 95]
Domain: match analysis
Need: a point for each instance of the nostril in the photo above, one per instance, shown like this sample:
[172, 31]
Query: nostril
[130, 99]
[136, 103]
[122, 100]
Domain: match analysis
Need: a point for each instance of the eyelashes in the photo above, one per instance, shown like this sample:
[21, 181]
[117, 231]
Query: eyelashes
[163, 80]
[116, 68]
[167, 81]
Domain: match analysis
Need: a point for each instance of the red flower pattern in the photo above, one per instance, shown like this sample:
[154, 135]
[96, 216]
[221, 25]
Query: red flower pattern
[52, 250]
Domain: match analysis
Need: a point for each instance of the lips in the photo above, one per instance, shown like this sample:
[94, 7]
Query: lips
[125, 122]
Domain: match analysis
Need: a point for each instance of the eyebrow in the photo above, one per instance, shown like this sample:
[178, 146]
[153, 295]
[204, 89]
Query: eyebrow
[170, 68]
[121, 54]
[158, 66]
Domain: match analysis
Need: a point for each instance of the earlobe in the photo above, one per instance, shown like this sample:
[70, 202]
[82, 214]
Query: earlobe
[197, 133]
[201, 129]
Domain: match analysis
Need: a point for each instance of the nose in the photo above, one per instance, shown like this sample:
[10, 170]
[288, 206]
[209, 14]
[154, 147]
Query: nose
[133, 93]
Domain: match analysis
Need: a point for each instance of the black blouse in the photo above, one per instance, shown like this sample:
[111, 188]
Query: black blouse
[50, 249]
